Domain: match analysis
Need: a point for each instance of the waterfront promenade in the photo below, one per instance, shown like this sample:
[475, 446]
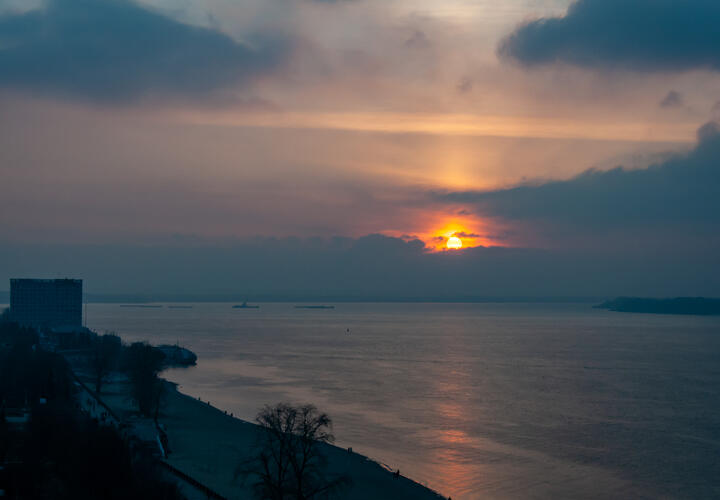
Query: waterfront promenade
[206, 445]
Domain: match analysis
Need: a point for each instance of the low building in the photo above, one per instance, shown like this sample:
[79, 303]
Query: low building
[46, 303]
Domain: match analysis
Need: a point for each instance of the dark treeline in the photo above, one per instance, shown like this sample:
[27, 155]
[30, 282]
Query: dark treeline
[699, 306]
[142, 363]
[103, 355]
[48, 447]
[28, 373]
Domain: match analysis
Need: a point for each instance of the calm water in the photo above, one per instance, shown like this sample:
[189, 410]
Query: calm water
[474, 400]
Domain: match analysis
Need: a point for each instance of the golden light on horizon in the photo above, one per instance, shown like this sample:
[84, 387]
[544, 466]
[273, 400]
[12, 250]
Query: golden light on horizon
[456, 234]
[449, 234]
[454, 243]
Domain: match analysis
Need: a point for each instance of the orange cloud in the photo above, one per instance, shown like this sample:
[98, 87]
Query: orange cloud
[449, 124]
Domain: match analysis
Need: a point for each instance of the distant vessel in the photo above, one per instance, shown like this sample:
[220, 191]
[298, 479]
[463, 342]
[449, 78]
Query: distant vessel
[314, 307]
[245, 305]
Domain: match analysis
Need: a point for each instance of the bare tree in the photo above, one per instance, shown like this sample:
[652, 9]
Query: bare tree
[143, 363]
[289, 463]
[104, 358]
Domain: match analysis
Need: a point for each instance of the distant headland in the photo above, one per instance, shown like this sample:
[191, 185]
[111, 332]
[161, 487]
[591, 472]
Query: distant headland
[679, 305]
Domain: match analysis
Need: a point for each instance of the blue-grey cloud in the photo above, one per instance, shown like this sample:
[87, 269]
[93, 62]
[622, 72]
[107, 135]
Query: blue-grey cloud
[368, 268]
[117, 50]
[673, 99]
[646, 35]
[418, 40]
[465, 85]
[684, 189]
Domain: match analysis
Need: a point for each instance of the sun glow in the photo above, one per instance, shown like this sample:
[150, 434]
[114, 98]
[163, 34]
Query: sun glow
[457, 235]
[449, 234]
[454, 243]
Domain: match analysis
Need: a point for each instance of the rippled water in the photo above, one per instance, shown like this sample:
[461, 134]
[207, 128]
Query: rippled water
[474, 400]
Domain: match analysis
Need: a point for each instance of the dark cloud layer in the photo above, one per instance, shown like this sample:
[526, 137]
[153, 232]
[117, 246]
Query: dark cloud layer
[369, 268]
[684, 189]
[117, 50]
[647, 35]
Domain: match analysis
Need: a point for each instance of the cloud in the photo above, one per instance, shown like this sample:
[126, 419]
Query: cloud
[116, 50]
[673, 99]
[638, 35]
[684, 189]
[465, 85]
[369, 268]
[418, 40]
[715, 111]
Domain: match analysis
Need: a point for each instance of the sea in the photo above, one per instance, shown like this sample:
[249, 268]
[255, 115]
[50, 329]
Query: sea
[492, 400]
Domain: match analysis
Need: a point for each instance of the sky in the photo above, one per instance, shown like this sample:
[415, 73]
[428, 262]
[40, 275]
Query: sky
[332, 147]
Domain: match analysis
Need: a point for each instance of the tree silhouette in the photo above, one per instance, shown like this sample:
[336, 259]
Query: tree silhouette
[104, 358]
[289, 463]
[143, 363]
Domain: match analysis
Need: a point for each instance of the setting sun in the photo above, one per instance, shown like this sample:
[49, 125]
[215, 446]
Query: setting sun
[454, 243]
[442, 233]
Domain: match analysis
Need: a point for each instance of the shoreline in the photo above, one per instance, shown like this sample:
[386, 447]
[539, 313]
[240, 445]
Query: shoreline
[208, 443]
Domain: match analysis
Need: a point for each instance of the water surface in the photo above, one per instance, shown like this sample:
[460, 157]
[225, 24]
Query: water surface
[474, 400]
